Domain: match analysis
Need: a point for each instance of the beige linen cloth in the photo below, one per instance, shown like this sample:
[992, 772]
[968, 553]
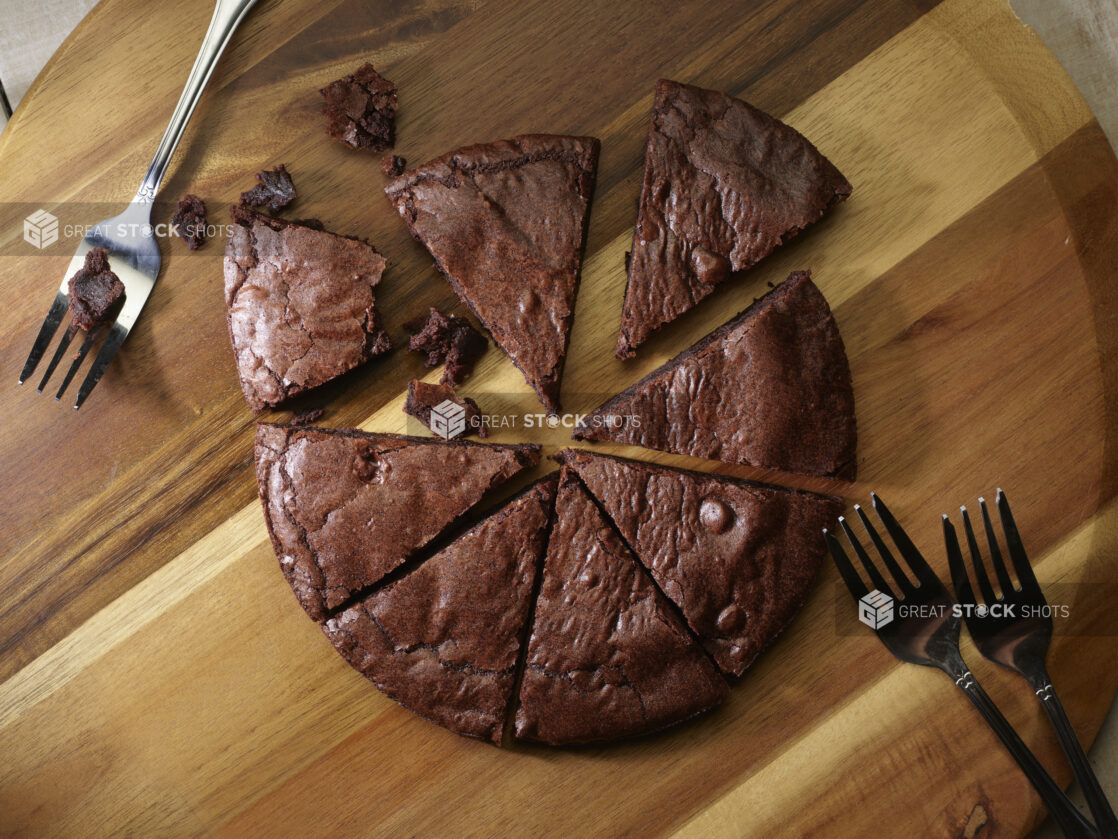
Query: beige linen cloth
[30, 32]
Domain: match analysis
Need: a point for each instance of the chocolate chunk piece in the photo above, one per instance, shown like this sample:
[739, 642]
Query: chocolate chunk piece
[393, 165]
[189, 221]
[95, 292]
[771, 388]
[345, 507]
[274, 190]
[608, 658]
[308, 417]
[312, 223]
[724, 184]
[360, 110]
[443, 640]
[454, 416]
[738, 558]
[448, 340]
[301, 306]
[506, 224]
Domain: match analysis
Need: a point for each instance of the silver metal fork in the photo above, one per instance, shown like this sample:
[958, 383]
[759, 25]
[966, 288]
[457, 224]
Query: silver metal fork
[129, 237]
[925, 630]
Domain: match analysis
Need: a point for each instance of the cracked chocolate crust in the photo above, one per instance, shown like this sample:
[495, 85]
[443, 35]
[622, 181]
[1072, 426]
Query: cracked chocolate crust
[301, 307]
[724, 185]
[737, 557]
[346, 507]
[508, 235]
[782, 368]
[444, 640]
[607, 657]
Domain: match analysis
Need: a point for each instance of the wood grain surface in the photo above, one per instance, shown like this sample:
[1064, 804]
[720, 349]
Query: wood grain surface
[158, 678]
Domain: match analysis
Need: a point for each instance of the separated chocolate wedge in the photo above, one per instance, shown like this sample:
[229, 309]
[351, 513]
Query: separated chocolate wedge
[301, 305]
[738, 558]
[345, 507]
[608, 658]
[443, 640]
[771, 388]
[724, 185]
[506, 225]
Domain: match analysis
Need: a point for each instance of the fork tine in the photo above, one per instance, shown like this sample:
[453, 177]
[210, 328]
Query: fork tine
[108, 350]
[867, 563]
[78, 359]
[67, 337]
[903, 582]
[909, 552]
[846, 569]
[996, 559]
[976, 559]
[46, 332]
[960, 581]
[1017, 553]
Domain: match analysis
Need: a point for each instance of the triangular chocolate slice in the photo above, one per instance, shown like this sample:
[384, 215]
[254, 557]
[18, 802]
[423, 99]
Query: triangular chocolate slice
[724, 184]
[608, 658]
[506, 224]
[443, 640]
[345, 507]
[737, 557]
[300, 305]
[771, 388]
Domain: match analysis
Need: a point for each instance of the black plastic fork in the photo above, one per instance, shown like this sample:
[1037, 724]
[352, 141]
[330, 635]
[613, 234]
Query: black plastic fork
[1014, 629]
[925, 630]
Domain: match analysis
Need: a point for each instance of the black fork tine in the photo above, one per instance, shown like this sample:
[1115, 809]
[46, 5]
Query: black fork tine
[909, 552]
[960, 581]
[1016, 549]
[976, 559]
[903, 582]
[46, 332]
[846, 568]
[78, 359]
[875, 575]
[63, 345]
[996, 559]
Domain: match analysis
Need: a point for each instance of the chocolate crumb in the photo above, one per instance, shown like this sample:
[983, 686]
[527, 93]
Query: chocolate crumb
[361, 110]
[274, 191]
[189, 221]
[95, 291]
[448, 340]
[424, 398]
[307, 417]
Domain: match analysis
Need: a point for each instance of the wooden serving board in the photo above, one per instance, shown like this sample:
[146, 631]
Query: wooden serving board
[156, 674]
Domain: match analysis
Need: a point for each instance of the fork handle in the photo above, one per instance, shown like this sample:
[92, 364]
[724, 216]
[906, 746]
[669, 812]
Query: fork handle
[227, 16]
[1059, 806]
[1080, 765]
